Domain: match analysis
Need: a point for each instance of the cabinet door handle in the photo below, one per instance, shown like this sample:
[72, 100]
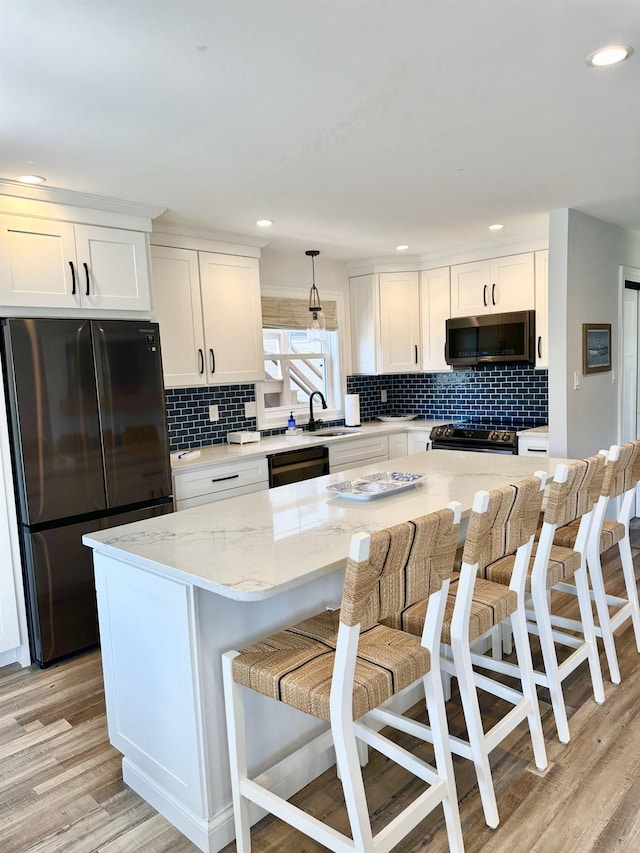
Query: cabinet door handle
[539, 346]
[212, 360]
[73, 278]
[536, 450]
[222, 479]
[484, 295]
[86, 272]
[493, 294]
[415, 350]
[201, 361]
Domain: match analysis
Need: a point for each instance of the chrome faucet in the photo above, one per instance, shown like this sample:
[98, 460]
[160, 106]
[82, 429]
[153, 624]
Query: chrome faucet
[313, 423]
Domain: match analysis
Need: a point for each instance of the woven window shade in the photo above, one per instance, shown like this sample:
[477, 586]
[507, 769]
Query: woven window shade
[281, 313]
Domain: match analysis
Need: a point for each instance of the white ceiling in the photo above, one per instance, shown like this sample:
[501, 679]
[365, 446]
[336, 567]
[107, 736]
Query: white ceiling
[354, 124]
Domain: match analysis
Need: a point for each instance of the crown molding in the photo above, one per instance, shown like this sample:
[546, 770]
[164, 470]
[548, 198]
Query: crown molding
[179, 229]
[56, 195]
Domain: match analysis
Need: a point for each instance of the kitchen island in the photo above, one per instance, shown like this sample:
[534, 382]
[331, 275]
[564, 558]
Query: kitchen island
[176, 591]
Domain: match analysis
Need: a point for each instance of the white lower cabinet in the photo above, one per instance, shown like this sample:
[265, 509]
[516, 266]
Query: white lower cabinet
[398, 445]
[218, 482]
[355, 452]
[418, 441]
[533, 445]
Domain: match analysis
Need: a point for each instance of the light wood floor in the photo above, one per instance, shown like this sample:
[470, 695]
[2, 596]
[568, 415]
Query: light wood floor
[61, 787]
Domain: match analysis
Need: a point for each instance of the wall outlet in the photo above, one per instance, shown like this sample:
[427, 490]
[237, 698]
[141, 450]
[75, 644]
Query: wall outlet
[250, 409]
[383, 395]
[213, 414]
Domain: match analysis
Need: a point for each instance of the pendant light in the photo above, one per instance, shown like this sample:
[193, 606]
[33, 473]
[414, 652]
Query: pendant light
[316, 327]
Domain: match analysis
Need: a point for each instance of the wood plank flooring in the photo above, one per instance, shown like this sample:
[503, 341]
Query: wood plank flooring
[61, 788]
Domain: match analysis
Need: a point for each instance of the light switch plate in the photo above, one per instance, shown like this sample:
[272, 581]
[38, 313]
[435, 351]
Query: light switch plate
[576, 380]
[250, 409]
[213, 414]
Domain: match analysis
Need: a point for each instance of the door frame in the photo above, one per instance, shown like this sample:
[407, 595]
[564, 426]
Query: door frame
[626, 273]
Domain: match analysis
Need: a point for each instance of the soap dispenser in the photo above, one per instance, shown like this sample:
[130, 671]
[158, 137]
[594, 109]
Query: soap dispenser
[291, 423]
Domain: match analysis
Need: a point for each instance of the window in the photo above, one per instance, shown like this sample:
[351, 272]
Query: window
[295, 366]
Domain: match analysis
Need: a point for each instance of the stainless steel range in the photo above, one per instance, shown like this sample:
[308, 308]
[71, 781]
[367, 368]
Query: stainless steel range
[480, 437]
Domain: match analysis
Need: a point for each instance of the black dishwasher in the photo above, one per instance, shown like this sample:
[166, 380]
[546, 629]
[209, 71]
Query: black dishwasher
[292, 466]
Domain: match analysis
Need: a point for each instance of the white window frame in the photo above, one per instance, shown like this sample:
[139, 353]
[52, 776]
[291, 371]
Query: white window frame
[277, 418]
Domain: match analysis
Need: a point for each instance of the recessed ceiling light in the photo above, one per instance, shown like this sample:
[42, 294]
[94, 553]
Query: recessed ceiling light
[32, 179]
[496, 227]
[401, 248]
[610, 55]
[264, 223]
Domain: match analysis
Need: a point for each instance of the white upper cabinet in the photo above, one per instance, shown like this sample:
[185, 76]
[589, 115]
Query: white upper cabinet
[493, 286]
[208, 307]
[400, 322]
[542, 308]
[435, 310]
[232, 315]
[176, 298]
[49, 264]
[385, 322]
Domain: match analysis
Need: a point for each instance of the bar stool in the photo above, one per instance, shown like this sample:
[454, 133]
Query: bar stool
[339, 665]
[571, 497]
[502, 522]
[621, 477]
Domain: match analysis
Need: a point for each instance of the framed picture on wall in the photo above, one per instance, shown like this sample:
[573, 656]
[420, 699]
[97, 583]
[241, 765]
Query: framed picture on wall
[596, 347]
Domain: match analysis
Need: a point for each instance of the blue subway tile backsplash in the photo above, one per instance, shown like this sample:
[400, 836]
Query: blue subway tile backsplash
[514, 395]
[511, 394]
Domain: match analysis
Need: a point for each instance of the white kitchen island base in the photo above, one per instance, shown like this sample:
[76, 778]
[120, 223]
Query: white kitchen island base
[177, 591]
[161, 645]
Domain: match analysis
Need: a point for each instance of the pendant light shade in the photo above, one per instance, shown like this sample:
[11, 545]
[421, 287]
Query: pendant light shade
[316, 327]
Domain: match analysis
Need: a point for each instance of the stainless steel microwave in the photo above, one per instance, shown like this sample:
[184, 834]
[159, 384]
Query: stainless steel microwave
[491, 338]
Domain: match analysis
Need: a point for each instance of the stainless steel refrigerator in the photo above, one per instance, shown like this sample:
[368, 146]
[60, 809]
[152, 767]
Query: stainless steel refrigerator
[90, 450]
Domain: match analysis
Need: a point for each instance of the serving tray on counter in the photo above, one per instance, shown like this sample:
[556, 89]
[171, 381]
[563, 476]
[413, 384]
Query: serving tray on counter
[372, 486]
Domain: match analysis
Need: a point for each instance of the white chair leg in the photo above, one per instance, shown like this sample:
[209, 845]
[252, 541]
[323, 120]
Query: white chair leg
[525, 665]
[443, 761]
[589, 632]
[543, 622]
[630, 584]
[237, 753]
[471, 708]
[602, 609]
[507, 638]
[348, 762]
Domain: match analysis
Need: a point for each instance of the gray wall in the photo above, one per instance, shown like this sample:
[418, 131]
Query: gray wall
[585, 255]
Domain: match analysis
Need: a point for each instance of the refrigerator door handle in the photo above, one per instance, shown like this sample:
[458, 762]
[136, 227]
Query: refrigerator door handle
[73, 278]
[86, 272]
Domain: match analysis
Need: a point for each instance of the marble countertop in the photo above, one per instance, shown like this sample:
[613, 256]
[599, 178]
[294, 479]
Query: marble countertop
[256, 546]
[276, 443]
[539, 430]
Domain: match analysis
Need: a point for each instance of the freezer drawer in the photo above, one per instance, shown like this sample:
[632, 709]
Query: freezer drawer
[60, 589]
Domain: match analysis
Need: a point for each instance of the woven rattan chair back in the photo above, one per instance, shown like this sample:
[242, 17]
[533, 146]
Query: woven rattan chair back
[407, 563]
[571, 499]
[510, 522]
[623, 473]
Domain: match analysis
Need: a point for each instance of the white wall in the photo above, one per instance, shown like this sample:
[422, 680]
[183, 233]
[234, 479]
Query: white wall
[584, 259]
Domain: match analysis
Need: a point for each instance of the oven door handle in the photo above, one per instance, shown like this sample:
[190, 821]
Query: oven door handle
[503, 451]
